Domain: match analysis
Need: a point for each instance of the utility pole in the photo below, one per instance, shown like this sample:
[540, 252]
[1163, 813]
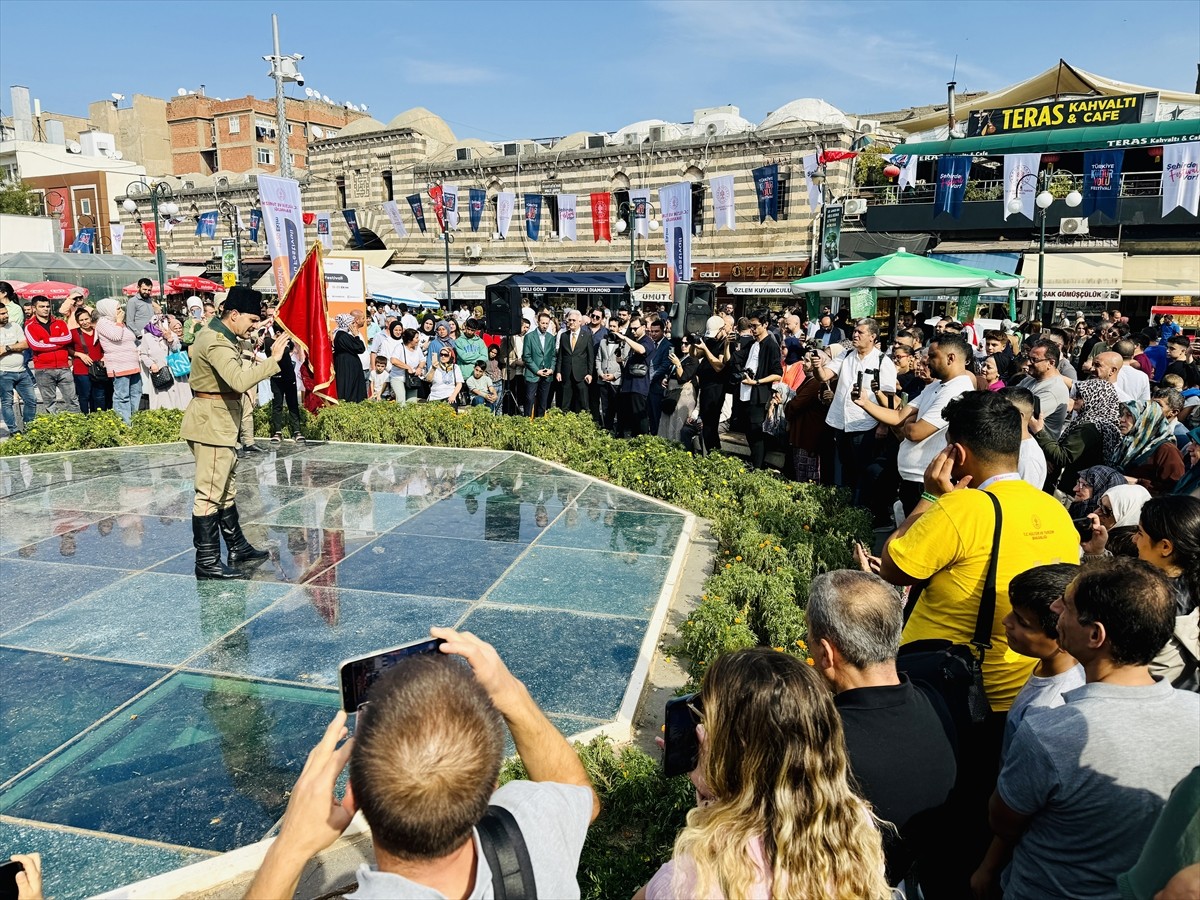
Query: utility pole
[285, 162]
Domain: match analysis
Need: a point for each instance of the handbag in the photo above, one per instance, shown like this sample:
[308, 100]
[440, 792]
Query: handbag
[96, 370]
[412, 381]
[953, 671]
[162, 379]
[637, 370]
[179, 363]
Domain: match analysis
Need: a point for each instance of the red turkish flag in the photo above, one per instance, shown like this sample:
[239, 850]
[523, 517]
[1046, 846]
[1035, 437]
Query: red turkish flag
[303, 315]
[148, 231]
[828, 156]
[600, 227]
[308, 218]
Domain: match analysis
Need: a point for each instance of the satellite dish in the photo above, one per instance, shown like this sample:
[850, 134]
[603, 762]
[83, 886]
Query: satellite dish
[318, 131]
[308, 92]
[74, 147]
[117, 96]
[325, 97]
[117, 154]
[182, 92]
[364, 107]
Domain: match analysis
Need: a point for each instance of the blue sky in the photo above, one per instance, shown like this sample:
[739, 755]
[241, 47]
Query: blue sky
[498, 70]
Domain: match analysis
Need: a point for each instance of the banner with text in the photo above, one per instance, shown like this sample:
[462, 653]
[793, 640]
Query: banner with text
[255, 224]
[284, 219]
[601, 227]
[766, 186]
[864, 301]
[1125, 109]
[229, 262]
[533, 215]
[831, 237]
[952, 172]
[392, 211]
[418, 211]
[475, 200]
[1101, 182]
[968, 303]
[639, 199]
[352, 223]
[1020, 181]
[566, 216]
[206, 224]
[506, 202]
[676, 204]
[450, 199]
[117, 233]
[723, 208]
[324, 222]
[439, 206]
[811, 168]
[148, 231]
[1181, 177]
[84, 241]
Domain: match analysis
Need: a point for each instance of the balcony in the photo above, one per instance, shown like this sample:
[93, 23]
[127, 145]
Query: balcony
[1139, 203]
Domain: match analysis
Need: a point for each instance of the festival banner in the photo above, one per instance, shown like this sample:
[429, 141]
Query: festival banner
[206, 224]
[968, 303]
[766, 187]
[392, 211]
[1012, 303]
[1020, 181]
[723, 208]
[255, 223]
[1181, 177]
[475, 201]
[117, 236]
[831, 237]
[506, 202]
[566, 216]
[952, 172]
[1125, 109]
[84, 241]
[324, 229]
[811, 168]
[908, 169]
[864, 301]
[352, 223]
[229, 262]
[450, 199]
[436, 194]
[676, 204]
[283, 219]
[148, 231]
[418, 211]
[1101, 182]
[639, 200]
[303, 314]
[601, 228]
[533, 215]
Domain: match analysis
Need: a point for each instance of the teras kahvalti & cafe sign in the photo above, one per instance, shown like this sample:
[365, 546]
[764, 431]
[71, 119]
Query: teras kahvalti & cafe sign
[1125, 109]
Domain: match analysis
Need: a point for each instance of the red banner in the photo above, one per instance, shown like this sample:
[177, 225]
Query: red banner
[600, 226]
[439, 205]
[828, 156]
[148, 231]
[303, 315]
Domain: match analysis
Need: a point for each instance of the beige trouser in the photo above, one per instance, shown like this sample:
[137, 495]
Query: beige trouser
[216, 487]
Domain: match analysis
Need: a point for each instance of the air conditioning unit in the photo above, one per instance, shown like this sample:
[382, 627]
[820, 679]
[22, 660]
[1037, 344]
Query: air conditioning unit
[512, 149]
[473, 251]
[596, 142]
[866, 126]
[855, 206]
[631, 139]
[222, 182]
[189, 185]
[1074, 225]
[658, 134]
[463, 154]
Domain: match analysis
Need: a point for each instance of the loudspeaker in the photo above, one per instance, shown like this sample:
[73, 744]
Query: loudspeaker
[692, 307]
[502, 309]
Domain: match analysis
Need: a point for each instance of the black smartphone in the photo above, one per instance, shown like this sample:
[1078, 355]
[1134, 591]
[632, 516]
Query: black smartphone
[681, 746]
[1037, 406]
[8, 879]
[1084, 527]
[358, 674]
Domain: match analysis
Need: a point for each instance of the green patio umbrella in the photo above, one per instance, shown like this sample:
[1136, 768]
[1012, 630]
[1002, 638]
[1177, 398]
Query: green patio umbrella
[906, 272]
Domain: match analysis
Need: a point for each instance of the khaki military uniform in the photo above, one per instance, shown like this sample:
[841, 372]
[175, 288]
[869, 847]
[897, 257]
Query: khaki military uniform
[210, 425]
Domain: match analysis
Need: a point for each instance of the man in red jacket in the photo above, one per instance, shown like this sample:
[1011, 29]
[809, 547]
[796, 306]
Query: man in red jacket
[49, 340]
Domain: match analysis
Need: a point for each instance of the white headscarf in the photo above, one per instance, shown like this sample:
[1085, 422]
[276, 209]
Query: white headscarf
[108, 307]
[1126, 501]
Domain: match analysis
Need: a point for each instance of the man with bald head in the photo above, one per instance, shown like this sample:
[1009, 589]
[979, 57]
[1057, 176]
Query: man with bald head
[1132, 382]
[1108, 368]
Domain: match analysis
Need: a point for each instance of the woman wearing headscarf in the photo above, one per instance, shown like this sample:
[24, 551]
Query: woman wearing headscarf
[348, 348]
[120, 357]
[1114, 522]
[1093, 483]
[1090, 438]
[1148, 455]
[158, 340]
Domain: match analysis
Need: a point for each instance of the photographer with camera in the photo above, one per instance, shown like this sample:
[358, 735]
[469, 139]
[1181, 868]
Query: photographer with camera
[609, 359]
[763, 367]
[633, 395]
[424, 762]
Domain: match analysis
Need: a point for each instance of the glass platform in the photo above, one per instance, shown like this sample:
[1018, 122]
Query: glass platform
[148, 720]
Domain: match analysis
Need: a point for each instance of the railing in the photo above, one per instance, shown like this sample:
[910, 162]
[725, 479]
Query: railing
[1133, 184]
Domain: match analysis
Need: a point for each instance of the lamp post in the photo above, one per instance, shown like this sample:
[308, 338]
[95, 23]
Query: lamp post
[230, 212]
[159, 192]
[1043, 201]
[447, 240]
[283, 68]
[630, 208]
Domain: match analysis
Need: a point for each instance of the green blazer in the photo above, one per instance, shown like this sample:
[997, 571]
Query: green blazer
[540, 351]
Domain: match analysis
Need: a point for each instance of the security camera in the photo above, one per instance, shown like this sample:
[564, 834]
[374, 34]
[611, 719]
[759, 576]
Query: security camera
[299, 79]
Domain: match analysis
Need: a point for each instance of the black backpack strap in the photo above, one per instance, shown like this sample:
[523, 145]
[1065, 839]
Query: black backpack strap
[507, 856]
[987, 601]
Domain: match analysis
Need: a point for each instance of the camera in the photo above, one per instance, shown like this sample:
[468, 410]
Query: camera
[747, 373]
[612, 337]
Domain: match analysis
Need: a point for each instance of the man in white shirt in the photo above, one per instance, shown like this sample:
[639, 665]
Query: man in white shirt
[408, 319]
[920, 426]
[861, 371]
[1031, 465]
[1132, 383]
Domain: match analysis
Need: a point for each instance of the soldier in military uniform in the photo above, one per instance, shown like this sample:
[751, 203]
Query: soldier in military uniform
[210, 427]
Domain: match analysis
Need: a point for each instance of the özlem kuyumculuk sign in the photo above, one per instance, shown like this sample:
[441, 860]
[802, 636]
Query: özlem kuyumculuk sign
[1125, 109]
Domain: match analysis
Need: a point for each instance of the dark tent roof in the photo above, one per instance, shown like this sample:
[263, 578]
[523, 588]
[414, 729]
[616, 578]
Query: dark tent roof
[570, 282]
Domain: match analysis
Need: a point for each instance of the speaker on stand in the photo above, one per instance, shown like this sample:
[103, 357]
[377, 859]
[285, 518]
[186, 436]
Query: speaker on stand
[502, 309]
[692, 307]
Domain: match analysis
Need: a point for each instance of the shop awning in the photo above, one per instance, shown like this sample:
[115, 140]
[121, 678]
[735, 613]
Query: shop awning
[468, 287]
[1001, 262]
[1093, 277]
[653, 292]
[1161, 276]
[1098, 137]
[570, 282]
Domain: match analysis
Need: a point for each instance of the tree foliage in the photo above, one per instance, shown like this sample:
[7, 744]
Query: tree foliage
[17, 199]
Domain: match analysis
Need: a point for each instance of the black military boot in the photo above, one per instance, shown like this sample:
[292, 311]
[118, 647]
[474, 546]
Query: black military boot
[240, 549]
[206, 537]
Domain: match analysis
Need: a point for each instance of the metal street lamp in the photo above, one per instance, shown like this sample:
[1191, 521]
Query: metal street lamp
[1043, 201]
[629, 209]
[162, 202]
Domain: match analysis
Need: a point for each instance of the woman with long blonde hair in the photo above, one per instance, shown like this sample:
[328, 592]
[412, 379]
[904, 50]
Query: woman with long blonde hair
[777, 816]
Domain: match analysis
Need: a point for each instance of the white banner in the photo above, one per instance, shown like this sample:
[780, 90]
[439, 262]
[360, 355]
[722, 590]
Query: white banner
[325, 230]
[283, 220]
[908, 171]
[1181, 177]
[809, 161]
[392, 211]
[117, 236]
[676, 203]
[566, 217]
[450, 199]
[1020, 181]
[505, 203]
[641, 223]
[722, 191]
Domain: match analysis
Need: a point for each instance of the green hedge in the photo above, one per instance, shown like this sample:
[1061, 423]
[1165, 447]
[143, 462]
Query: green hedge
[773, 536]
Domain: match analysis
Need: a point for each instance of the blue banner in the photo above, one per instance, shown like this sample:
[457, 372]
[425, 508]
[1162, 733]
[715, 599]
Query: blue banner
[255, 222]
[418, 211]
[475, 207]
[766, 186]
[84, 242]
[352, 222]
[952, 172]
[533, 215]
[206, 224]
[1101, 182]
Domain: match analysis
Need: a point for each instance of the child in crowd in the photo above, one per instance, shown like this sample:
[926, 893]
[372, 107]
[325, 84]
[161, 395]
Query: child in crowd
[379, 378]
[1032, 631]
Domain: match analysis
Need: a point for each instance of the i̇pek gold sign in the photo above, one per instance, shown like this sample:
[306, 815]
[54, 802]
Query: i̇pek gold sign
[1125, 109]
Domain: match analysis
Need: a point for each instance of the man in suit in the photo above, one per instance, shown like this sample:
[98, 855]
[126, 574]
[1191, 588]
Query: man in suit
[660, 366]
[539, 354]
[763, 367]
[575, 364]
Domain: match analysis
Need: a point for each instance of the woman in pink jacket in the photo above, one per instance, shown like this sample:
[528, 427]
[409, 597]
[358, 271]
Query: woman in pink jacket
[120, 357]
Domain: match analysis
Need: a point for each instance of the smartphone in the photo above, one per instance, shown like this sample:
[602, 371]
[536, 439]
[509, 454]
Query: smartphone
[681, 746]
[1037, 406]
[1084, 527]
[358, 674]
[8, 879]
